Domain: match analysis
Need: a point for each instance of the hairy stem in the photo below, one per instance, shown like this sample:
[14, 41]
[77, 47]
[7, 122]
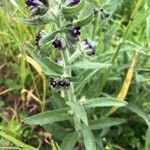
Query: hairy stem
[69, 94]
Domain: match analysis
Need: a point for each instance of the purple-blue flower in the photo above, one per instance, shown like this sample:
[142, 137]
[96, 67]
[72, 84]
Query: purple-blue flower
[75, 31]
[74, 2]
[53, 83]
[57, 43]
[59, 83]
[62, 83]
[88, 47]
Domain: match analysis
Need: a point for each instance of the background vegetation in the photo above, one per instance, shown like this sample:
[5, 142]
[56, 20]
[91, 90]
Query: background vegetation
[123, 37]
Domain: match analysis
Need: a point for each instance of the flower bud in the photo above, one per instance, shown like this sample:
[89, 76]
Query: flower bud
[88, 48]
[95, 11]
[39, 36]
[37, 7]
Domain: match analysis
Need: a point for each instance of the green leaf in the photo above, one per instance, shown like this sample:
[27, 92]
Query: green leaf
[17, 6]
[32, 22]
[136, 109]
[89, 141]
[139, 18]
[89, 65]
[49, 117]
[86, 20]
[54, 129]
[104, 102]
[105, 123]
[69, 141]
[49, 67]
[16, 141]
[147, 141]
[86, 78]
[71, 10]
[79, 111]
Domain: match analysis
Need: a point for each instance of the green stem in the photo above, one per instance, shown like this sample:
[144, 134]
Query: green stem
[69, 94]
[44, 92]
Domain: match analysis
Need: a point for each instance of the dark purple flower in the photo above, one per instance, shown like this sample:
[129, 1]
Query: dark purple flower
[62, 83]
[75, 31]
[59, 83]
[39, 36]
[30, 3]
[74, 2]
[57, 43]
[106, 15]
[53, 83]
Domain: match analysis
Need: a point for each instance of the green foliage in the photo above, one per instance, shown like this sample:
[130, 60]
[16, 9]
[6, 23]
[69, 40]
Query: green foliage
[35, 116]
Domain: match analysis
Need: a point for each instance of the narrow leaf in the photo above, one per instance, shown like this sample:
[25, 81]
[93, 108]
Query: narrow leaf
[71, 10]
[139, 18]
[136, 109]
[16, 141]
[79, 111]
[105, 123]
[147, 141]
[104, 102]
[89, 65]
[69, 141]
[89, 141]
[49, 117]
[49, 67]
[81, 85]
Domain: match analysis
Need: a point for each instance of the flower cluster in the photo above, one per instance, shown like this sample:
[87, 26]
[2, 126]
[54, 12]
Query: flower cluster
[37, 6]
[59, 83]
[88, 47]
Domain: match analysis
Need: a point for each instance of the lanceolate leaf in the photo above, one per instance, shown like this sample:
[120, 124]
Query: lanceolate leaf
[16, 141]
[81, 85]
[104, 102]
[79, 111]
[49, 67]
[89, 141]
[86, 20]
[69, 141]
[90, 65]
[71, 10]
[138, 19]
[105, 123]
[49, 117]
[32, 22]
[147, 142]
[136, 109]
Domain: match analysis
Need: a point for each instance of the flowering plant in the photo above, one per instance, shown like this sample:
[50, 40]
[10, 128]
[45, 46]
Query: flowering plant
[78, 109]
